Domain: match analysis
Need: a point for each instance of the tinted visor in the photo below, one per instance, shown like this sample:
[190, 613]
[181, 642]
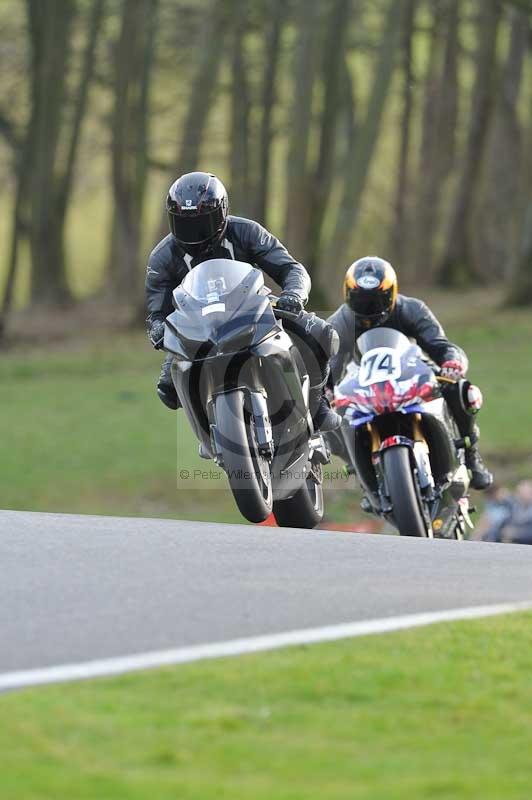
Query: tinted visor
[371, 304]
[192, 228]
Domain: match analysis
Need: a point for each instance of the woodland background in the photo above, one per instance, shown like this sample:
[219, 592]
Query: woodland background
[398, 127]
[401, 128]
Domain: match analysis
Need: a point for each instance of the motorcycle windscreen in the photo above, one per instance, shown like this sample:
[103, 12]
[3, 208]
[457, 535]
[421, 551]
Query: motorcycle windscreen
[213, 280]
[382, 337]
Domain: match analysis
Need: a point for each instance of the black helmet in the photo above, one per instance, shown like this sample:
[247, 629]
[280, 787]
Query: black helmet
[370, 289]
[197, 207]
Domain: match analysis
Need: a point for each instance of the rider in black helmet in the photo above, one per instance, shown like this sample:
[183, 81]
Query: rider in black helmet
[202, 228]
[371, 299]
[198, 208]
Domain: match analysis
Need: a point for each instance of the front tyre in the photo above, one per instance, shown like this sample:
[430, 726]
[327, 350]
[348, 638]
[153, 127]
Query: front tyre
[247, 470]
[406, 509]
[305, 508]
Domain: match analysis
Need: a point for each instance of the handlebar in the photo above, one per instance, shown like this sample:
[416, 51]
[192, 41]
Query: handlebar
[441, 379]
[280, 313]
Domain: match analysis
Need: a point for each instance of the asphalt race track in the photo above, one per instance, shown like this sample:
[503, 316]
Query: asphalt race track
[80, 588]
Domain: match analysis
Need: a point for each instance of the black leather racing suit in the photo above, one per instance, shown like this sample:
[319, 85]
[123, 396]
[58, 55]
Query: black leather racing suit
[244, 240]
[415, 319]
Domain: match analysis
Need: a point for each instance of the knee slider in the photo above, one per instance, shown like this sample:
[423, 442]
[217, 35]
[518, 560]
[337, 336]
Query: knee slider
[471, 397]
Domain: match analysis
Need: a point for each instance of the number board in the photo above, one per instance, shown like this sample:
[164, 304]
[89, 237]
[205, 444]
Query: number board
[379, 364]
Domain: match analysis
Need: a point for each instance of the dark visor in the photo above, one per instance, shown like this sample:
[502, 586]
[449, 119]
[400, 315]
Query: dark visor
[192, 228]
[370, 304]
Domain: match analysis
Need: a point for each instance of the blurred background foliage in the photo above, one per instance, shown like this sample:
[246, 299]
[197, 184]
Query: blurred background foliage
[401, 127]
[348, 127]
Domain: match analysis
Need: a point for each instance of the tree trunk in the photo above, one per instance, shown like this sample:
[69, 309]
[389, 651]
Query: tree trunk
[438, 135]
[50, 36]
[209, 54]
[50, 27]
[333, 71]
[399, 234]
[65, 179]
[501, 206]
[297, 167]
[456, 266]
[19, 228]
[348, 126]
[357, 168]
[272, 54]
[241, 202]
[133, 69]
[520, 293]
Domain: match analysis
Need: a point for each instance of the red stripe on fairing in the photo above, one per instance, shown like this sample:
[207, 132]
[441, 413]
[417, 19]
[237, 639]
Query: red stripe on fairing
[383, 399]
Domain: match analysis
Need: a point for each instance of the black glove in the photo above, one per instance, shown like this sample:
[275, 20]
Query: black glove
[290, 302]
[156, 334]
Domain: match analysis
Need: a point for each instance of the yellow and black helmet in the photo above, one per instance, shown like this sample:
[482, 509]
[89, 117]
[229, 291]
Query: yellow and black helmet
[370, 289]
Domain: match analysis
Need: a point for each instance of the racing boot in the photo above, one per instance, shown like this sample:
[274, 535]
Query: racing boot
[465, 401]
[203, 452]
[165, 386]
[323, 417]
[366, 505]
[481, 477]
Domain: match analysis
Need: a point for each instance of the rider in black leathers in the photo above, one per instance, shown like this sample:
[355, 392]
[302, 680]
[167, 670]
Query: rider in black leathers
[200, 229]
[371, 299]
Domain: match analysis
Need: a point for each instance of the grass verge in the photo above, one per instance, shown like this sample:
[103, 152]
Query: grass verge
[83, 431]
[442, 712]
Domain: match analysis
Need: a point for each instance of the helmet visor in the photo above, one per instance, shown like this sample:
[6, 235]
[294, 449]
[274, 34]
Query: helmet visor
[192, 228]
[371, 305]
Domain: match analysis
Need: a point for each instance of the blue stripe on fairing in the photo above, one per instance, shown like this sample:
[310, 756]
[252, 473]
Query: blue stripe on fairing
[358, 421]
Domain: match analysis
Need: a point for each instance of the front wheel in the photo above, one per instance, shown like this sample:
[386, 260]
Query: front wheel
[406, 506]
[305, 508]
[247, 470]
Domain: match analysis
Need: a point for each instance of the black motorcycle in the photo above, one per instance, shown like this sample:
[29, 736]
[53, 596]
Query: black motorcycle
[244, 388]
[401, 438]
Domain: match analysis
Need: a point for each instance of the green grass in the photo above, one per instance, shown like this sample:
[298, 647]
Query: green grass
[83, 431]
[442, 712]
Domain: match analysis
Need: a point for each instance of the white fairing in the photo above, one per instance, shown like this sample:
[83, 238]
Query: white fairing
[435, 407]
[379, 364]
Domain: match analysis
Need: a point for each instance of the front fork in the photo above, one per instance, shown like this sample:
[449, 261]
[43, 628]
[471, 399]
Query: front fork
[420, 451]
[257, 406]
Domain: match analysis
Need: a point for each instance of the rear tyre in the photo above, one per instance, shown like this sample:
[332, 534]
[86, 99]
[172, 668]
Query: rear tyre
[305, 508]
[407, 512]
[247, 470]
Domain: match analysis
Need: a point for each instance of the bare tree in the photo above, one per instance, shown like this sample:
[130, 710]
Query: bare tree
[20, 146]
[456, 265]
[240, 107]
[54, 145]
[438, 137]
[208, 58]
[520, 293]
[130, 120]
[357, 168]
[399, 232]
[50, 38]
[333, 65]
[500, 209]
[268, 99]
[297, 165]
[19, 227]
